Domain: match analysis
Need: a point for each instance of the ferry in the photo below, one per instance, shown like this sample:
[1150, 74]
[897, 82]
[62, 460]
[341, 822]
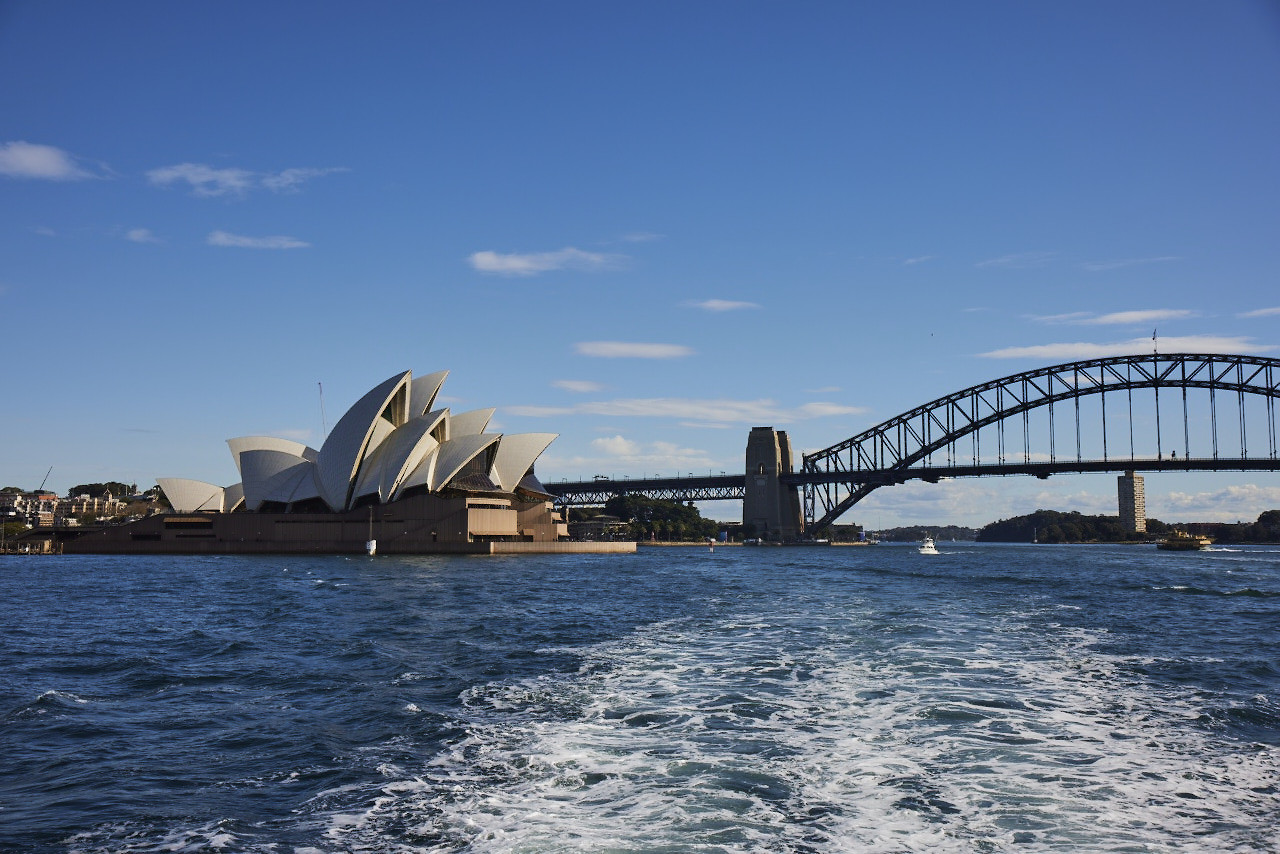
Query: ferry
[1181, 541]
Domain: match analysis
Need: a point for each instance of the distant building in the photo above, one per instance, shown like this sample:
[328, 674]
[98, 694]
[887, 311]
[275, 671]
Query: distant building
[394, 471]
[35, 509]
[1133, 502]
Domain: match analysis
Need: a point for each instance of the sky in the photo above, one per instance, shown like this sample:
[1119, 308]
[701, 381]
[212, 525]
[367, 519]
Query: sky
[647, 227]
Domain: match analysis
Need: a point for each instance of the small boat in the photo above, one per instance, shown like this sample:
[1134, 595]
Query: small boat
[1181, 541]
[927, 547]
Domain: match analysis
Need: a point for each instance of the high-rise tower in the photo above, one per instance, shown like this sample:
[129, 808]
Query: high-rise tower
[1133, 502]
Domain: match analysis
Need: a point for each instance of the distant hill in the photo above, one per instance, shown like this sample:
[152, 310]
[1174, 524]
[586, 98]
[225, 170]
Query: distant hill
[1052, 526]
[915, 533]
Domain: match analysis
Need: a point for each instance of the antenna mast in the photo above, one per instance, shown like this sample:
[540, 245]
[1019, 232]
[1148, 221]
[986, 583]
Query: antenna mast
[324, 427]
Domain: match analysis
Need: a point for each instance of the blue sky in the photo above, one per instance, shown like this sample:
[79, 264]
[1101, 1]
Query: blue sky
[647, 227]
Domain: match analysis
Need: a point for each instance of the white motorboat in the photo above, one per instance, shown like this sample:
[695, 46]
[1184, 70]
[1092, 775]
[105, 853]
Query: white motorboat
[927, 547]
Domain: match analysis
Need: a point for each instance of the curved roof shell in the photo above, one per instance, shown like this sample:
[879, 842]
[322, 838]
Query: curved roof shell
[350, 440]
[388, 442]
[191, 496]
[469, 423]
[260, 470]
[423, 391]
[515, 457]
[242, 444]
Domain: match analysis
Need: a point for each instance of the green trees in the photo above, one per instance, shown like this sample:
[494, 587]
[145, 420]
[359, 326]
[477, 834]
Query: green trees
[98, 490]
[1052, 526]
[652, 518]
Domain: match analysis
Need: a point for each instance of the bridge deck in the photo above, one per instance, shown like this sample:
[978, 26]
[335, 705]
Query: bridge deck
[729, 487]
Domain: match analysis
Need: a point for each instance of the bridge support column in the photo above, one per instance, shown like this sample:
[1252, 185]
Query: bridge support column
[771, 507]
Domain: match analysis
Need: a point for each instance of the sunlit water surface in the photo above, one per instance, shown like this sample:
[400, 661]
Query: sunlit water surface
[991, 698]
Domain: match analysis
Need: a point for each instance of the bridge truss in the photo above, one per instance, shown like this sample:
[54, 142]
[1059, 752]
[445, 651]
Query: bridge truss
[1015, 425]
[693, 488]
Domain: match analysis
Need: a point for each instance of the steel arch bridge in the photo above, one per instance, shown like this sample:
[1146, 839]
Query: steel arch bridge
[988, 428]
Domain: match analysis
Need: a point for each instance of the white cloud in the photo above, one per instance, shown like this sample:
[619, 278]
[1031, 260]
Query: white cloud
[290, 180]
[1153, 315]
[632, 350]
[722, 305]
[1019, 261]
[910, 261]
[27, 160]
[578, 386]
[530, 264]
[206, 181]
[1241, 503]
[1118, 318]
[1099, 266]
[223, 238]
[635, 459]
[704, 412]
[1261, 312]
[1069, 317]
[1173, 344]
[616, 446]
[141, 235]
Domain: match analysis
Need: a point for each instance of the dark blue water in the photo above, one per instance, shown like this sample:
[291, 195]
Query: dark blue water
[991, 698]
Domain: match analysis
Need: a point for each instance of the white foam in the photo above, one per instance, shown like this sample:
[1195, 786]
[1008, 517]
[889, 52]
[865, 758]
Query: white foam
[759, 734]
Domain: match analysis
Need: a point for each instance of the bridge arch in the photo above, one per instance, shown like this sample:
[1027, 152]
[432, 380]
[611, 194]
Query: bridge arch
[904, 447]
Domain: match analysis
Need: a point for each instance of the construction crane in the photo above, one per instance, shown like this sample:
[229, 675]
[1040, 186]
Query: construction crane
[46, 479]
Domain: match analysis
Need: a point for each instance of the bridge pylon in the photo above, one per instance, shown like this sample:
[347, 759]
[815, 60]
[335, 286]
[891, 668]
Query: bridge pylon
[768, 504]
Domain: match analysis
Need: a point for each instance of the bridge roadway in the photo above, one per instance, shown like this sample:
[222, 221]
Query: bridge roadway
[595, 492]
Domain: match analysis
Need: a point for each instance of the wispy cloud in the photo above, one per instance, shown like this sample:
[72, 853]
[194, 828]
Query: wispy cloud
[717, 411]
[636, 458]
[1019, 261]
[722, 305]
[207, 182]
[1116, 264]
[290, 180]
[532, 263]
[1261, 312]
[224, 238]
[1233, 503]
[1171, 344]
[41, 162]
[578, 386]
[1119, 318]
[141, 235]
[632, 350]
[1069, 317]
[641, 237]
[911, 261]
[1151, 315]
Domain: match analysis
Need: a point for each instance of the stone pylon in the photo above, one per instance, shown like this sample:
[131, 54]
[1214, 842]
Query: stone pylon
[771, 506]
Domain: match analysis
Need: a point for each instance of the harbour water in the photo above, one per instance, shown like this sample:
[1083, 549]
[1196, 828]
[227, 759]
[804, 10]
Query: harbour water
[990, 698]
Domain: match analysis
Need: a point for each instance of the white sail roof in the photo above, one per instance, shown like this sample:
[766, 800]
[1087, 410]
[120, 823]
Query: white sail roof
[191, 496]
[269, 443]
[389, 442]
[349, 442]
[456, 453]
[469, 423]
[515, 457]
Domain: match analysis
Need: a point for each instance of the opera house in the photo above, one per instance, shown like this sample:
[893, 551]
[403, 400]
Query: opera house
[394, 470]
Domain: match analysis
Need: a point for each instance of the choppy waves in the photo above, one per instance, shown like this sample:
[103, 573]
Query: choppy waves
[764, 735]
[1042, 699]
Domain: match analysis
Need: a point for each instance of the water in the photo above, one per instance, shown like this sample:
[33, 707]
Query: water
[992, 698]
